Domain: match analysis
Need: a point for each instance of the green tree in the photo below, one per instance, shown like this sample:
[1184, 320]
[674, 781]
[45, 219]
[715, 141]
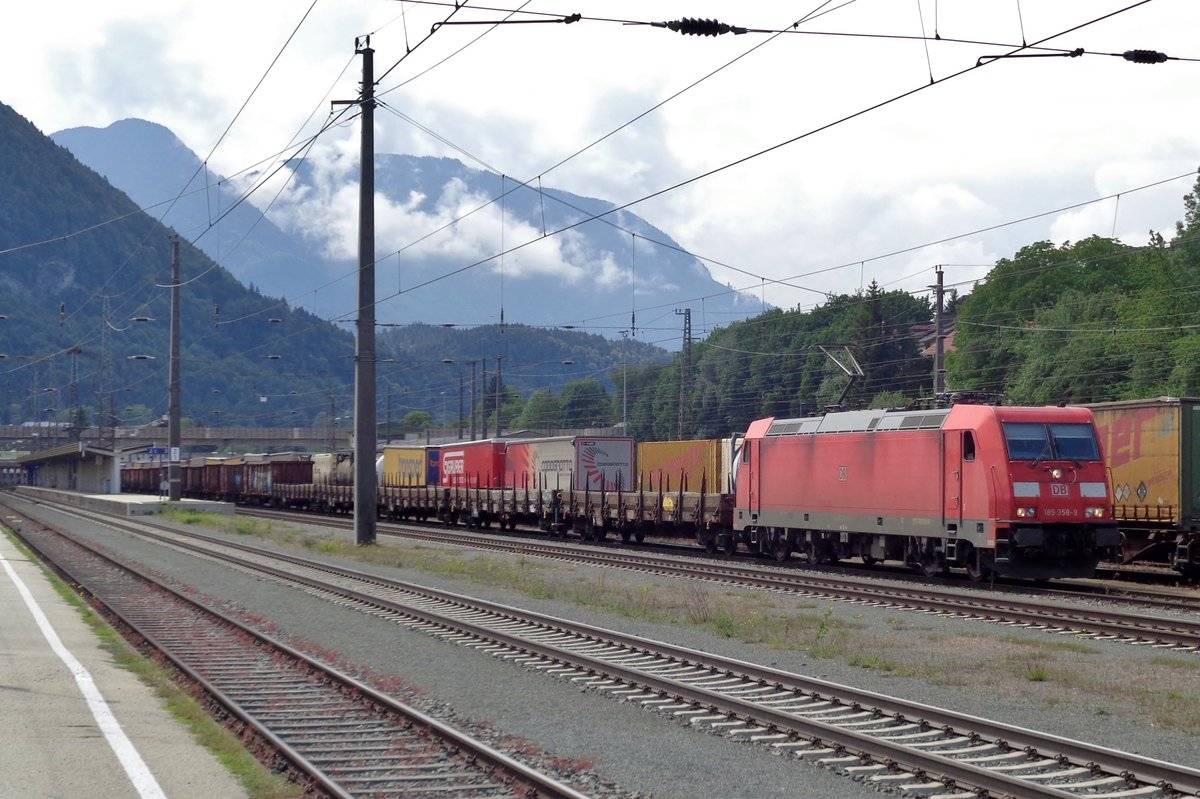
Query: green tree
[542, 410]
[585, 403]
[991, 322]
[1069, 352]
[416, 421]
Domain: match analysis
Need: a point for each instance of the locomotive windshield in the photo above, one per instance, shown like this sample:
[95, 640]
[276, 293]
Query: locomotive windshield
[1035, 441]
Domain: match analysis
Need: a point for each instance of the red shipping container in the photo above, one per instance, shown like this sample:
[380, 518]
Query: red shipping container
[474, 464]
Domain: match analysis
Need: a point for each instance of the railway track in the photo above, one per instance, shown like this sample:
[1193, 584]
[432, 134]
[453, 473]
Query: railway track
[1177, 633]
[913, 748]
[1147, 596]
[335, 735]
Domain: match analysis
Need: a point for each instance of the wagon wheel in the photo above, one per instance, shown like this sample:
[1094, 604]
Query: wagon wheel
[870, 561]
[639, 535]
[782, 549]
[730, 548]
[710, 544]
[599, 532]
[626, 534]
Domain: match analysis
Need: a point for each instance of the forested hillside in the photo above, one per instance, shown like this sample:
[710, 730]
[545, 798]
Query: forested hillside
[85, 313]
[84, 310]
[85, 292]
[1086, 322]
[787, 363]
[1090, 321]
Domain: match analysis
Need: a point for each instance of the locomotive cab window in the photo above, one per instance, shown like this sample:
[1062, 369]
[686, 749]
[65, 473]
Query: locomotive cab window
[1026, 441]
[968, 451]
[1075, 442]
[1029, 441]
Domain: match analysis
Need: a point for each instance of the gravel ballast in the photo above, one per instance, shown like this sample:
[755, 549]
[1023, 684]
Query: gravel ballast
[614, 748]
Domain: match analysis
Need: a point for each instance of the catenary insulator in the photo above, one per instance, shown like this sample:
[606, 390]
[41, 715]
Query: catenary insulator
[1144, 56]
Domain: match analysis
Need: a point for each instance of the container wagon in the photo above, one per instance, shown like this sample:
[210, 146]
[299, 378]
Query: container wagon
[1153, 452]
[577, 462]
[409, 466]
[695, 465]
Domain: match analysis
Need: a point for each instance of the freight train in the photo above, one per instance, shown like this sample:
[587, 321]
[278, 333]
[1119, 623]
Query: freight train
[1010, 491]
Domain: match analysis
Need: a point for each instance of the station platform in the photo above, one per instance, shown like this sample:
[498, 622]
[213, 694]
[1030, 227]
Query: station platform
[75, 722]
[121, 504]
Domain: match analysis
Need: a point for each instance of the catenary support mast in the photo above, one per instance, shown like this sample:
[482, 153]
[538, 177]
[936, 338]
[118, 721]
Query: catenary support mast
[365, 490]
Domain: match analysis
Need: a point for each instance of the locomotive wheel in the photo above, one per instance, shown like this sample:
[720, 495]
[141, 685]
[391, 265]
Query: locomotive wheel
[932, 566]
[977, 573]
[869, 561]
[782, 550]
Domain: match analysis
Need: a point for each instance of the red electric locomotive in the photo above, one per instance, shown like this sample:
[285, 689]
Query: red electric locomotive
[1013, 491]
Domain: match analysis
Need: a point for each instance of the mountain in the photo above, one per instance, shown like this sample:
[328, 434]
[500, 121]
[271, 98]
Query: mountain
[438, 230]
[85, 291]
[151, 165]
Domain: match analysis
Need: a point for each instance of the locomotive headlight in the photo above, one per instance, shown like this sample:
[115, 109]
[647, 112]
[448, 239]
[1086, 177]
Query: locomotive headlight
[1026, 513]
[1095, 513]
[1056, 473]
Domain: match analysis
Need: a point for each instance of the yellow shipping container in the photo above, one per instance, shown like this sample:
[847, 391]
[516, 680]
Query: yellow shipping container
[1148, 447]
[405, 466]
[690, 465]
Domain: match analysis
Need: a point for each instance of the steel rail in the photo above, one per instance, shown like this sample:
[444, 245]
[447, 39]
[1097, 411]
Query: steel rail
[1128, 595]
[1149, 771]
[540, 784]
[1178, 632]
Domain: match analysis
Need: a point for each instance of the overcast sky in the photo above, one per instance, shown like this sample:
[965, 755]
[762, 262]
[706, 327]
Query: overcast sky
[828, 207]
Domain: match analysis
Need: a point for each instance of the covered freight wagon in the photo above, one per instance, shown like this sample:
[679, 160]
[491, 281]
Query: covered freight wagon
[578, 462]
[1153, 452]
[259, 477]
[699, 464]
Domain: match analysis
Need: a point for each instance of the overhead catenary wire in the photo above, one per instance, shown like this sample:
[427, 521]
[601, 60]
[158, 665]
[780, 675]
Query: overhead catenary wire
[760, 152]
[718, 262]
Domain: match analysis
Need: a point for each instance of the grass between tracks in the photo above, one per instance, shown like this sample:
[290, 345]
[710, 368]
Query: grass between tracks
[1050, 672]
[258, 781]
